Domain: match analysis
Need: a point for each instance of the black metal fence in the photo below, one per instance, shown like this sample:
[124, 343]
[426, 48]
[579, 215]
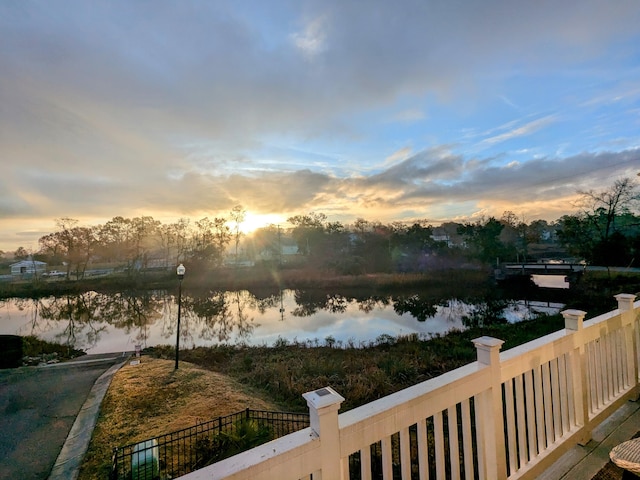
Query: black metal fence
[178, 453]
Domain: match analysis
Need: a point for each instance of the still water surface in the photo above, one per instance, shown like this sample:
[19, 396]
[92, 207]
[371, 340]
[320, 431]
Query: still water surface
[99, 323]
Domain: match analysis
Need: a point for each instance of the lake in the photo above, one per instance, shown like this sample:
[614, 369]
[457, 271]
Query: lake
[99, 323]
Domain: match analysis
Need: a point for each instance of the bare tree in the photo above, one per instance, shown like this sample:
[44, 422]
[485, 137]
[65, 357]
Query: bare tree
[116, 238]
[221, 235]
[143, 230]
[21, 253]
[238, 214]
[173, 241]
[601, 208]
[72, 244]
[203, 246]
[66, 238]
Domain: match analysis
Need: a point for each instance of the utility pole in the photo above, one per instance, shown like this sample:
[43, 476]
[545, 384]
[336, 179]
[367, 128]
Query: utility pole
[279, 247]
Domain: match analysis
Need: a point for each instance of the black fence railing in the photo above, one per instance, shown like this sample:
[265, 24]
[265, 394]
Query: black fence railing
[178, 453]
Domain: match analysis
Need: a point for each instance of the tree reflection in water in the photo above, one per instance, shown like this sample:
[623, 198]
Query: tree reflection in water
[420, 309]
[367, 305]
[218, 314]
[134, 312]
[310, 301]
[80, 313]
[81, 320]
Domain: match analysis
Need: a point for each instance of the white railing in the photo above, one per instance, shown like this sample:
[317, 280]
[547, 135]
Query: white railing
[506, 416]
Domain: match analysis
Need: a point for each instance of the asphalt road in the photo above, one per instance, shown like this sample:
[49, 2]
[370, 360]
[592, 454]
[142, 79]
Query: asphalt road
[38, 407]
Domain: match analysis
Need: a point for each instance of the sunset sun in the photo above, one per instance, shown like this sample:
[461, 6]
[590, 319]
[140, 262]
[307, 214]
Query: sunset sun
[254, 221]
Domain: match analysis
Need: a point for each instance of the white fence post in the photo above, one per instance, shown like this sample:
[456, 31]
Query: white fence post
[625, 305]
[489, 419]
[324, 404]
[573, 323]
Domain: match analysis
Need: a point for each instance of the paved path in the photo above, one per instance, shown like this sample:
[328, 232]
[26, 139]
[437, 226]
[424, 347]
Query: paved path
[40, 406]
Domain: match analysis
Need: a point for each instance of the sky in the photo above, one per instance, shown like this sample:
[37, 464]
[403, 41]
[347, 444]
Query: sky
[443, 110]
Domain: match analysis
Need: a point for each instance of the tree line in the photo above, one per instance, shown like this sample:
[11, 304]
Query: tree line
[605, 230]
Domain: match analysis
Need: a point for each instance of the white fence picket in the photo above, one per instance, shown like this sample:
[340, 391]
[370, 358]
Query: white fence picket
[556, 390]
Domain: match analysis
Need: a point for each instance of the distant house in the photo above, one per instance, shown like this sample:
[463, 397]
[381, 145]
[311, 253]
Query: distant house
[232, 262]
[28, 267]
[442, 238]
[285, 251]
[288, 250]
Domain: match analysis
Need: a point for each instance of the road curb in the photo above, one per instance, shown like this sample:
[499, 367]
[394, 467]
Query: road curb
[78, 362]
[67, 466]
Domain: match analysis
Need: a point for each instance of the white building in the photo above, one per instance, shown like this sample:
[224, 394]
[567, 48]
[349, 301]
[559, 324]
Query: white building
[285, 252]
[28, 267]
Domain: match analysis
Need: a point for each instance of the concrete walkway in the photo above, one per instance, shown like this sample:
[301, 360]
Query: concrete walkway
[47, 415]
[582, 463]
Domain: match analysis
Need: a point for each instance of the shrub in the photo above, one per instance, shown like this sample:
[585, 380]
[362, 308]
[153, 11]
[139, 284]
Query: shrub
[244, 435]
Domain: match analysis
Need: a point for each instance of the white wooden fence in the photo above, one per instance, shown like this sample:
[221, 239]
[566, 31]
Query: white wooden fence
[508, 415]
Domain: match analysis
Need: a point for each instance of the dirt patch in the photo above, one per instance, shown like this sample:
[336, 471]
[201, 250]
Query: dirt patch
[153, 398]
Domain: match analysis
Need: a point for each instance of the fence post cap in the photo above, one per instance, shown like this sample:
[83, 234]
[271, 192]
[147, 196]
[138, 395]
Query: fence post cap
[323, 397]
[486, 341]
[625, 301]
[625, 296]
[488, 350]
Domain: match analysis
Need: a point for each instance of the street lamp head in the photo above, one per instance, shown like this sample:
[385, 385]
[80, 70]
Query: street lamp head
[180, 271]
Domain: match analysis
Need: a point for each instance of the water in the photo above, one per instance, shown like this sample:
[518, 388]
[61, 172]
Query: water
[99, 323]
[551, 281]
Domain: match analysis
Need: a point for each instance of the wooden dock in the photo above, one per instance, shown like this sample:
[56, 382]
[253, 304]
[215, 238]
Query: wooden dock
[507, 270]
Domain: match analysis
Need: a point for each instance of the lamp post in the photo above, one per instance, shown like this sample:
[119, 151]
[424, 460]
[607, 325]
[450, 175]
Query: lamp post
[180, 271]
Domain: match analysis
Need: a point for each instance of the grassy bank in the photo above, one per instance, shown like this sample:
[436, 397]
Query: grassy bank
[152, 399]
[362, 373]
[359, 373]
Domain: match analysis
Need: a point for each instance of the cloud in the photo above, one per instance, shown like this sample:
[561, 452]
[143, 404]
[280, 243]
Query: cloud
[174, 108]
[526, 129]
[432, 180]
[507, 101]
[401, 154]
[428, 166]
[204, 67]
[312, 40]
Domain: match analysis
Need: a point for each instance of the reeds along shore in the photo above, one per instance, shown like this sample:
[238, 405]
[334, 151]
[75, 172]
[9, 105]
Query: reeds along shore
[360, 372]
[253, 279]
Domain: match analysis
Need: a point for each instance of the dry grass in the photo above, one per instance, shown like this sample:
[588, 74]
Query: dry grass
[152, 398]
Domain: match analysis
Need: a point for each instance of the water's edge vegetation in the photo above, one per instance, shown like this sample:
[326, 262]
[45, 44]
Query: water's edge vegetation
[360, 373]
[254, 279]
[363, 373]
